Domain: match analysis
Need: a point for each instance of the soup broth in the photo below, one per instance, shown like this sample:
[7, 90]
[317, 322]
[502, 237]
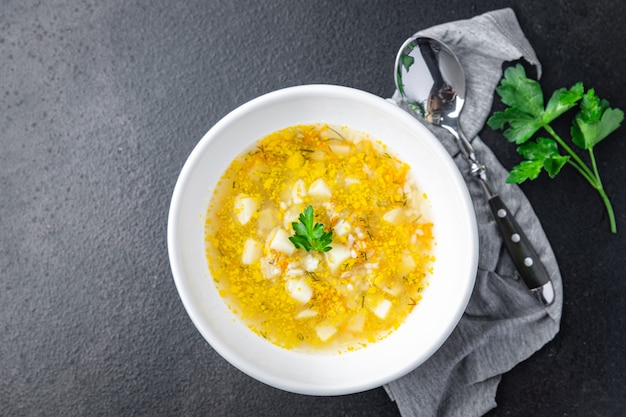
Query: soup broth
[380, 257]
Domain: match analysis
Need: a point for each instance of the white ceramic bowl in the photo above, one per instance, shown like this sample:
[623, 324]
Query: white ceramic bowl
[456, 252]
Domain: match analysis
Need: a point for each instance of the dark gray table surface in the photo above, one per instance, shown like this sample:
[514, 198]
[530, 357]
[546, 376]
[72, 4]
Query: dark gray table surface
[101, 102]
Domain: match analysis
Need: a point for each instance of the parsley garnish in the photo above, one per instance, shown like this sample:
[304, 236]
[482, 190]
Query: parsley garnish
[310, 235]
[526, 115]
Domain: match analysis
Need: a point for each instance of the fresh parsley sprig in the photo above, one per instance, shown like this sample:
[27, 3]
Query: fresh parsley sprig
[526, 115]
[310, 235]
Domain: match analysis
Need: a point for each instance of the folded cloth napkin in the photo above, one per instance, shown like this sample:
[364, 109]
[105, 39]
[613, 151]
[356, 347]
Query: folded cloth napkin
[503, 324]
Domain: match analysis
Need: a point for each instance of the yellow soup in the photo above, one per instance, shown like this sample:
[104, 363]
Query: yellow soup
[372, 277]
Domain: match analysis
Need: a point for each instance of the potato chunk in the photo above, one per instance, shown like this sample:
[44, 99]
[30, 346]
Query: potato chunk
[299, 290]
[382, 309]
[244, 208]
[280, 242]
[337, 255]
[252, 252]
[320, 190]
[325, 332]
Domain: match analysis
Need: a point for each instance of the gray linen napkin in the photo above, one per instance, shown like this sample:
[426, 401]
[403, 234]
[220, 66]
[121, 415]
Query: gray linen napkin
[503, 324]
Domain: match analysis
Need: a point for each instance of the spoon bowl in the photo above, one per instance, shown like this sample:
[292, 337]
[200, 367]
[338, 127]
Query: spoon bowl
[432, 81]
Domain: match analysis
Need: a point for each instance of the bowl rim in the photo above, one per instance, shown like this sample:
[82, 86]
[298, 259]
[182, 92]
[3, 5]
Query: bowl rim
[249, 368]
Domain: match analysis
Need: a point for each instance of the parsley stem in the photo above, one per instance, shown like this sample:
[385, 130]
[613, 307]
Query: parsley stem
[609, 210]
[600, 188]
[592, 157]
[592, 177]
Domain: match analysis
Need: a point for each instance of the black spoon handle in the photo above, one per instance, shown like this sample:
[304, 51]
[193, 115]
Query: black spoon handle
[524, 255]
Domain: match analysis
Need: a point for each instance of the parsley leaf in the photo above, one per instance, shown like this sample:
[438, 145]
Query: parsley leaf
[520, 92]
[542, 154]
[310, 235]
[522, 126]
[525, 170]
[595, 121]
[561, 101]
[526, 115]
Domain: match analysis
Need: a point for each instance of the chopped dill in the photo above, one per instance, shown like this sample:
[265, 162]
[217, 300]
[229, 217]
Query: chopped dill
[338, 134]
[312, 275]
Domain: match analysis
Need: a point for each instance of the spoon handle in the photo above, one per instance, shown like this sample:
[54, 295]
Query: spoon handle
[524, 255]
[522, 252]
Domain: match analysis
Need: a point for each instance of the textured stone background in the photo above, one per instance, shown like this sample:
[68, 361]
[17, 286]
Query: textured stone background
[102, 102]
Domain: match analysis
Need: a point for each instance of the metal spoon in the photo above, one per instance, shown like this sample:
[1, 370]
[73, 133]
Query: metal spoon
[432, 83]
